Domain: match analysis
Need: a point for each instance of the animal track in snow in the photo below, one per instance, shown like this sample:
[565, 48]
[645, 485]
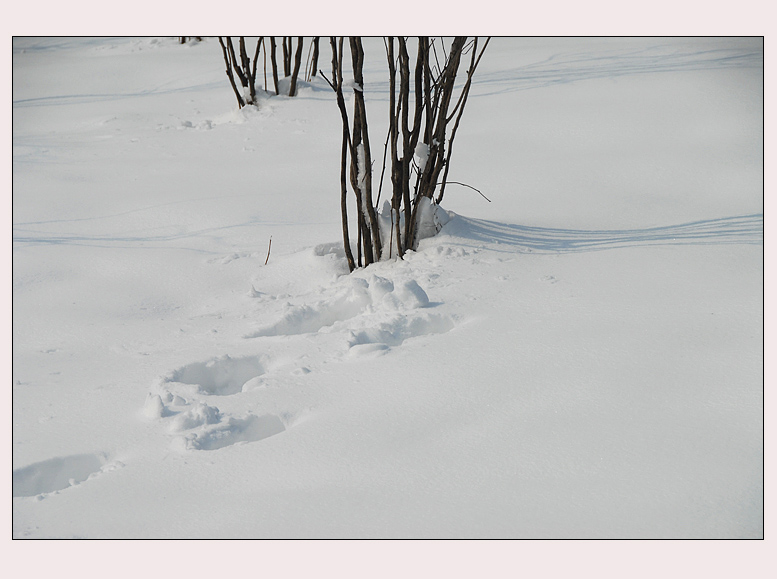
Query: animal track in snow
[367, 315]
[358, 297]
[451, 251]
[232, 431]
[220, 376]
[306, 319]
[224, 260]
[198, 415]
[198, 425]
[205, 125]
[56, 474]
[398, 329]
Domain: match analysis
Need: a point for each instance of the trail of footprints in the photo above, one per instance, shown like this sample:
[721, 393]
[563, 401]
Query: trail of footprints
[370, 315]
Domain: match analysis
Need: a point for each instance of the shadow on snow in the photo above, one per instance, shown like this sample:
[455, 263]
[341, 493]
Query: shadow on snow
[745, 229]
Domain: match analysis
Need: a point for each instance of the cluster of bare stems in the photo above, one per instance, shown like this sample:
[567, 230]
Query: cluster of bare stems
[420, 135]
[246, 69]
[425, 108]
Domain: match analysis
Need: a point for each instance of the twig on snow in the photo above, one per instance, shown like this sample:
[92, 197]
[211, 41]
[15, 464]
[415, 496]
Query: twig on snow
[268, 251]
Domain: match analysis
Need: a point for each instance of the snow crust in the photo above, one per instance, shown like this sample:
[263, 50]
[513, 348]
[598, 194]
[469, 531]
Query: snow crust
[580, 358]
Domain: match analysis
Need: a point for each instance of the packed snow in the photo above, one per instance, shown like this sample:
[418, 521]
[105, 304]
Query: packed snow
[580, 357]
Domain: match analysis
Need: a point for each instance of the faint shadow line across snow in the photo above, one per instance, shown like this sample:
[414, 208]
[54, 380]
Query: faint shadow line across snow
[18, 225]
[31, 237]
[572, 67]
[744, 229]
[77, 99]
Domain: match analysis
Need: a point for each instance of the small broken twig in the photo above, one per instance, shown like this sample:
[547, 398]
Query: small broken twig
[268, 251]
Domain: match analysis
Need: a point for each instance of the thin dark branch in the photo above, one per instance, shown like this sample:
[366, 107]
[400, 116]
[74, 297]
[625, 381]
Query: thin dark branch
[273, 58]
[268, 251]
[470, 73]
[253, 74]
[321, 72]
[308, 62]
[286, 56]
[314, 64]
[264, 54]
[337, 86]
[383, 171]
[471, 187]
[297, 63]
[235, 64]
[463, 102]
[436, 59]
[241, 103]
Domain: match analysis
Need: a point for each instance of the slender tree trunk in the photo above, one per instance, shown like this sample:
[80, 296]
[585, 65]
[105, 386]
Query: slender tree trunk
[407, 154]
[235, 65]
[247, 75]
[274, 64]
[286, 56]
[253, 72]
[427, 93]
[396, 169]
[264, 55]
[337, 86]
[297, 63]
[314, 67]
[241, 103]
[360, 113]
[344, 201]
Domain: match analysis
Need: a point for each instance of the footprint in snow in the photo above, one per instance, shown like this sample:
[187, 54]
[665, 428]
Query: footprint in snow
[378, 339]
[220, 376]
[199, 414]
[250, 428]
[198, 425]
[224, 376]
[358, 297]
[56, 474]
[224, 260]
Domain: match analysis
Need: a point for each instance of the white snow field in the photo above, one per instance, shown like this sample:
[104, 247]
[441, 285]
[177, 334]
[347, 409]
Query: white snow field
[582, 357]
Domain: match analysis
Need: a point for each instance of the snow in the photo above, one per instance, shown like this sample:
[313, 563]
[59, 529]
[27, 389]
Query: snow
[431, 218]
[580, 358]
[421, 156]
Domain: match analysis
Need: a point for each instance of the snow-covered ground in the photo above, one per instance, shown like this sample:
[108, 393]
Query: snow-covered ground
[582, 357]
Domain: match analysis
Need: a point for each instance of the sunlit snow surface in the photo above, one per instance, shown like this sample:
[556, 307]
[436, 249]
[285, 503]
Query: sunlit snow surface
[579, 358]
